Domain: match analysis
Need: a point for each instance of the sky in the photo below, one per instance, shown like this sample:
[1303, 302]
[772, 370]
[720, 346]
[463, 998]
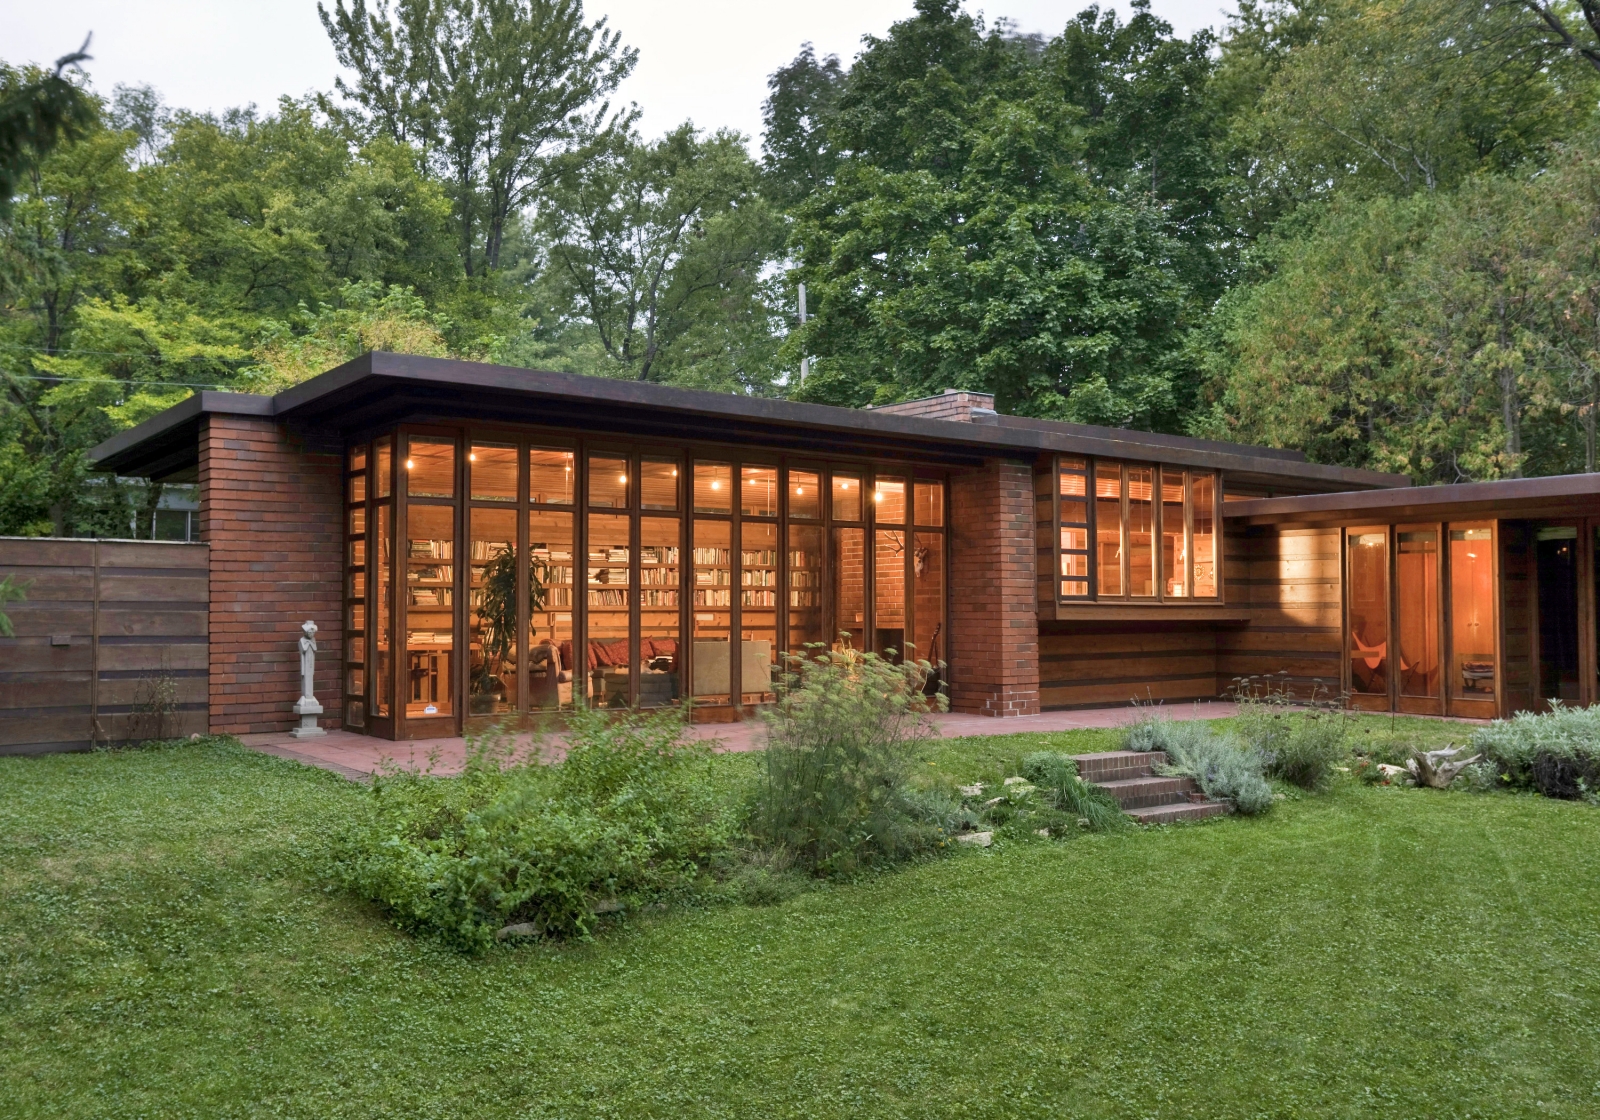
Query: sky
[700, 60]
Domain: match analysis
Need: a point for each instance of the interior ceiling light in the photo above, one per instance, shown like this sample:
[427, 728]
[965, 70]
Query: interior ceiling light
[409, 464]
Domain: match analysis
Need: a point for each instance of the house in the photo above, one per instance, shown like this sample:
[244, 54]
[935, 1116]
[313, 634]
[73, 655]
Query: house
[474, 541]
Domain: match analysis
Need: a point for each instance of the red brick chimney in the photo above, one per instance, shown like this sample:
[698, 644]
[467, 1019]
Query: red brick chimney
[953, 404]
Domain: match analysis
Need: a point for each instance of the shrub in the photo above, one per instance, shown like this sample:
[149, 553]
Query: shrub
[1147, 730]
[1225, 769]
[841, 743]
[1308, 748]
[1055, 775]
[1556, 753]
[630, 813]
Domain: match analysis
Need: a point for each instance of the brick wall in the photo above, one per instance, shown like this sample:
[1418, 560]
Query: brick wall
[952, 404]
[272, 513]
[994, 624]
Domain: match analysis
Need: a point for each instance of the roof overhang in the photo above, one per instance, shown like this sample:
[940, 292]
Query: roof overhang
[1568, 495]
[378, 390]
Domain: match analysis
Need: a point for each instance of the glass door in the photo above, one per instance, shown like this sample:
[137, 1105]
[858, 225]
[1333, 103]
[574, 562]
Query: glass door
[1367, 617]
[1470, 681]
[1556, 573]
[1416, 581]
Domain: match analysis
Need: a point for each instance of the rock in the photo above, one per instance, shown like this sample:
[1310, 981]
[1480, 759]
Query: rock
[608, 906]
[974, 790]
[992, 802]
[981, 839]
[521, 929]
[1045, 832]
[1015, 780]
[1083, 822]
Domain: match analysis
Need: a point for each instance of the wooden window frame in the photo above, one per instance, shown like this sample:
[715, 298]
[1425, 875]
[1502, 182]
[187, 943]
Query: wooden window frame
[583, 444]
[1054, 552]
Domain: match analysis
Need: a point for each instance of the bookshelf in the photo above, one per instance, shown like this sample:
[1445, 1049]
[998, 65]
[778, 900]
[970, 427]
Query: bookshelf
[430, 582]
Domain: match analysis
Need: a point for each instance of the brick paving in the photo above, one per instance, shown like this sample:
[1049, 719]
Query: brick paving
[359, 756]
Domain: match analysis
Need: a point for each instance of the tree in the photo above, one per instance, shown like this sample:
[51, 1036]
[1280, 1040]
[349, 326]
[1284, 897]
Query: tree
[497, 93]
[1022, 279]
[1555, 18]
[1448, 335]
[38, 113]
[176, 253]
[968, 240]
[654, 244]
[797, 157]
[1394, 96]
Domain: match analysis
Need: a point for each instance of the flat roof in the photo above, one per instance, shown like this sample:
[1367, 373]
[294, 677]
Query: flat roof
[379, 389]
[1508, 498]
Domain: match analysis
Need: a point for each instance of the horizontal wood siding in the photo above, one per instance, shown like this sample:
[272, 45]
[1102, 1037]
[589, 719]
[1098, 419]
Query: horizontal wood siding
[1289, 582]
[104, 623]
[1084, 664]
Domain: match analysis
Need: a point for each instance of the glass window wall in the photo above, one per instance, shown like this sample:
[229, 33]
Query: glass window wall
[355, 592]
[712, 609]
[805, 588]
[1140, 535]
[492, 471]
[758, 609]
[1416, 577]
[429, 608]
[498, 630]
[550, 569]
[492, 609]
[1073, 486]
[1108, 528]
[660, 577]
[552, 476]
[1203, 492]
[1368, 631]
[1153, 531]
[1472, 628]
[805, 495]
[610, 567]
[1174, 538]
[430, 467]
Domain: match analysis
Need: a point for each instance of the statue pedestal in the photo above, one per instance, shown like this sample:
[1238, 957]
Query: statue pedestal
[308, 710]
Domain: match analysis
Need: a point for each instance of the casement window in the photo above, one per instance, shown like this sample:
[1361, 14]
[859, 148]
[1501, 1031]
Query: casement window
[1129, 532]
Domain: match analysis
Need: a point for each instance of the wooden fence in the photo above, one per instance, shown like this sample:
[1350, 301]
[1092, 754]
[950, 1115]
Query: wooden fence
[109, 645]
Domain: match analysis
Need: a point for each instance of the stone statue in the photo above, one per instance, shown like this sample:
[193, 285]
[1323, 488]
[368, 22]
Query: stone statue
[307, 707]
[308, 657]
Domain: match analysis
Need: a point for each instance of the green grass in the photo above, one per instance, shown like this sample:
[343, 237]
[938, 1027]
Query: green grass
[167, 952]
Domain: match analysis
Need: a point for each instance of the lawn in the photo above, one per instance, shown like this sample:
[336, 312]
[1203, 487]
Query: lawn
[167, 952]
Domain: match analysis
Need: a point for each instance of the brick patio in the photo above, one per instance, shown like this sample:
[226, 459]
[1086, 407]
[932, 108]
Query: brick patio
[359, 756]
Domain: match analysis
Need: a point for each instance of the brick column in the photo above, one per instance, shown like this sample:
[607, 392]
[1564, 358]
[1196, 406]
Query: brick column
[273, 515]
[994, 621]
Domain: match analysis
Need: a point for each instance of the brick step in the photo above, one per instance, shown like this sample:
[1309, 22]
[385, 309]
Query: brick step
[1114, 766]
[1140, 793]
[1187, 811]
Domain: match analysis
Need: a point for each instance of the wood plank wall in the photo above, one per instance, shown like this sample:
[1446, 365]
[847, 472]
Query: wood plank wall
[103, 623]
[1289, 581]
[1088, 664]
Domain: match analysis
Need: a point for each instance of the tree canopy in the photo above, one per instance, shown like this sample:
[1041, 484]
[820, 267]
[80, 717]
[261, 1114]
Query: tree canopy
[1363, 228]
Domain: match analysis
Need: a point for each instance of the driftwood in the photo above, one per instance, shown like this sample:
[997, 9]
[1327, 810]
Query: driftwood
[1434, 769]
[1437, 769]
